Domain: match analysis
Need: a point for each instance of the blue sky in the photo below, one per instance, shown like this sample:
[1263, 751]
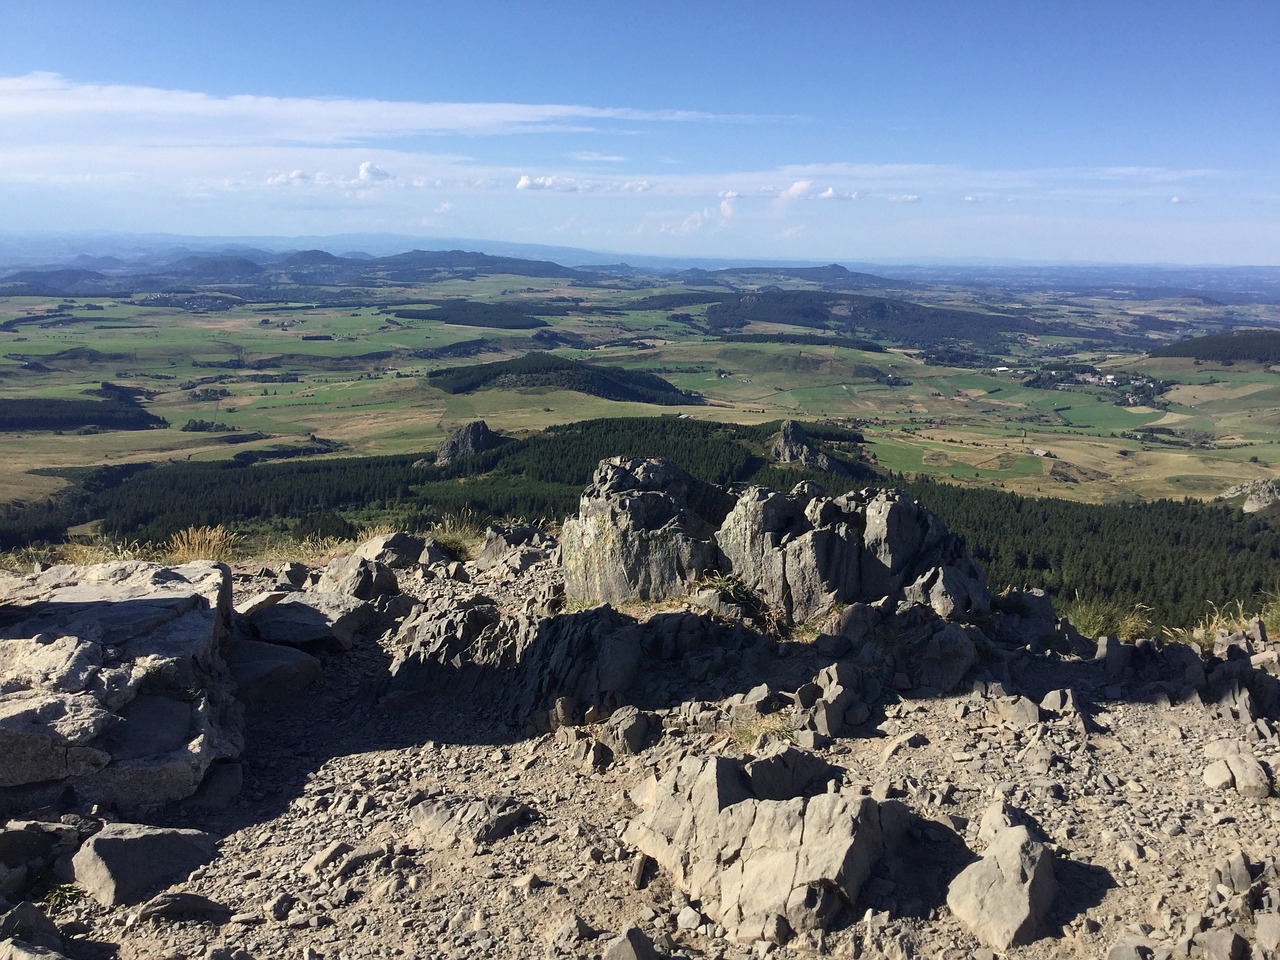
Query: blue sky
[1040, 130]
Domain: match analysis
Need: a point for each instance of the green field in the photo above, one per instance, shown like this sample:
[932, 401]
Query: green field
[355, 374]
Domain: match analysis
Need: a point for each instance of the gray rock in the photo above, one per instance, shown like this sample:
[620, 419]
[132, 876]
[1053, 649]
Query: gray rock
[750, 861]
[122, 862]
[1003, 898]
[1234, 765]
[314, 620]
[793, 445]
[450, 821]
[1224, 944]
[396, 551]
[170, 906]
[466, 441]
[355, 576]
[1267, 936]
[113, 683]
[26, 922]
[643, 532]
[633, 944]
[264, 672]
[18, 950]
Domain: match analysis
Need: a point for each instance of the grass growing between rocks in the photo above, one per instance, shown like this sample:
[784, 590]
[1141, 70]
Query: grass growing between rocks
[779, 725]
[460, 532]
[1095, 618]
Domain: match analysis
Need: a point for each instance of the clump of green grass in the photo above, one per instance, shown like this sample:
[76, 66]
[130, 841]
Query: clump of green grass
[61, 896]
[202, 543]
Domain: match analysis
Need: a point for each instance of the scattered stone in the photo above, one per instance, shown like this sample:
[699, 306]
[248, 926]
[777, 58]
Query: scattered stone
[1004, 897]
[121, 862]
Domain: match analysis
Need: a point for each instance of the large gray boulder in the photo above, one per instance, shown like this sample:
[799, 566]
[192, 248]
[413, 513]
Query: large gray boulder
[123, 862]
[1004, 897]
[643, 532]
[324, 620]
[113, 683]
[264, 672]
[757, 864]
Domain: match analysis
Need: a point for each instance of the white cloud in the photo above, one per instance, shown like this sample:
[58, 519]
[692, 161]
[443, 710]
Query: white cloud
[797, 190]
[372, 173]
[905, 197]
[591, 156]
[53, 108]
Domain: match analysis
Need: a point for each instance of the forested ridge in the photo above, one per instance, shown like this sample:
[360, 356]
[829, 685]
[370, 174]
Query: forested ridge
[1260, 346]
[548, 370]
[42, 413]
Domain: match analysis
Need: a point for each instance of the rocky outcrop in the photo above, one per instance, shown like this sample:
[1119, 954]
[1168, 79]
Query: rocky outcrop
[466, 441]
[481, 768]
[113, 683]
[1258, 495]
[643, 532]
[646, 531]
[792, 445]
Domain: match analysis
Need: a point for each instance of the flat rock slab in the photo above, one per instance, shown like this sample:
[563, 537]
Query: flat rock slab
[450, 821]
[123, 862]
[112, 682]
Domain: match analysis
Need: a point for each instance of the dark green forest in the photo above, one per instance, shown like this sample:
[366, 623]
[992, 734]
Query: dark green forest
[1260, 346]
[547, 370]
[39, 413]
[476, 313]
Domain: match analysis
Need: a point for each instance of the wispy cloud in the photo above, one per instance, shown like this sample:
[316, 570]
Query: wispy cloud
[591, 156]
[50, 105]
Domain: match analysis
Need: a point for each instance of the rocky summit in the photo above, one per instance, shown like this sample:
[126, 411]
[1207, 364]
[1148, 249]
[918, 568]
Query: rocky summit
[697, 723]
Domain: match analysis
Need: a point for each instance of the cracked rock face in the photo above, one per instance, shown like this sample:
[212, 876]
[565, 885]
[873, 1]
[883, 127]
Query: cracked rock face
[113, 683]
[760, 861]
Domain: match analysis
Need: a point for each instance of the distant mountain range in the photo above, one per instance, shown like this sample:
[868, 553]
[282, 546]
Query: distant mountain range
[115, 264]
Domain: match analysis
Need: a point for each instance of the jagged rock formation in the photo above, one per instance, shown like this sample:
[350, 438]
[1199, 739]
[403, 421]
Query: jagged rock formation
[794, 446]
[478, 767]
[645, 530]
[771, 866]
[1258, 495]
[466, 441]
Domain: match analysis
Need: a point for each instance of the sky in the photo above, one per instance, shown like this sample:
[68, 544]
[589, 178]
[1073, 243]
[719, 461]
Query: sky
[1041, 130]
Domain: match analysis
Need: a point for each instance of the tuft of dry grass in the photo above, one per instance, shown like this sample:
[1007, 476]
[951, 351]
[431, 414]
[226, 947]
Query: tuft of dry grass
[1094, 618]
[202, 543]
[460, 532]
[104, 550]
[1231, 617]
[746, 733]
